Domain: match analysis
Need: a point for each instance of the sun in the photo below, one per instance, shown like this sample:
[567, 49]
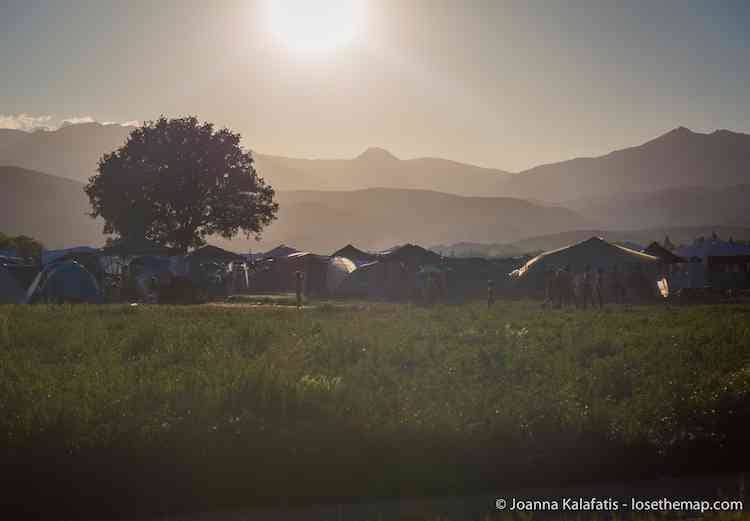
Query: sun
[315, 26]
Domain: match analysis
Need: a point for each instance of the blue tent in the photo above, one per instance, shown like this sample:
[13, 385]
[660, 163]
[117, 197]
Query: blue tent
[10, 290]
[66, 281]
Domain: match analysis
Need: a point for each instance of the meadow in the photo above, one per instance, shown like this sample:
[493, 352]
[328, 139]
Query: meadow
[132, 410]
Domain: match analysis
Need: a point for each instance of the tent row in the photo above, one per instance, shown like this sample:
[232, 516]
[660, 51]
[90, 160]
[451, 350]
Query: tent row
[123, 270]
[138, 270]
[403, 272]
[706, 264]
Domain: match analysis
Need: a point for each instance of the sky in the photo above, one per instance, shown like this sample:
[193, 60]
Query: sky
[507, 85]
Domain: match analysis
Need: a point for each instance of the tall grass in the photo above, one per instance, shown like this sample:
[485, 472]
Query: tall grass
[168, 408]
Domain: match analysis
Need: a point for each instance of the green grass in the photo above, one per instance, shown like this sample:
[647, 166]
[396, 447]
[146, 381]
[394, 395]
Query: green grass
[220, 406]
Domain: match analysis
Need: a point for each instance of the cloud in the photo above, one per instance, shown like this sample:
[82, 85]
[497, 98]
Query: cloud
[76, 121]
[29, 123]
[25, 121]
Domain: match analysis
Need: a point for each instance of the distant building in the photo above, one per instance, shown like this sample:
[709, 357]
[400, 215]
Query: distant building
[716, 264]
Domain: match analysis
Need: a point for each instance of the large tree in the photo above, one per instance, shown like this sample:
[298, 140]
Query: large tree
[177, 181]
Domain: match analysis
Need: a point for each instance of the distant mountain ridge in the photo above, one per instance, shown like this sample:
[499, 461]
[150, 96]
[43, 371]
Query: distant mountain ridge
[681, 206]
[378, 218]
[72, 151]
[378, 168]
[54, 209]
[680, 158]
[46, 207]
[682, 178]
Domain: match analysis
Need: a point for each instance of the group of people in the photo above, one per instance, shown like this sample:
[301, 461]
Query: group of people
[588, 288]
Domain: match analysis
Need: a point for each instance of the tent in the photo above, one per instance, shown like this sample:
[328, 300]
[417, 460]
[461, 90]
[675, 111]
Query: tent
[281, 250]
[338, 270]
[65, 281]
[355, 254]
[10, 291]
[278, 274]
[214, 253]
[594, 252]
[716, 263]
[664, 255]
[702, 249]
[380, 280]
[50, 256]
[412, 255]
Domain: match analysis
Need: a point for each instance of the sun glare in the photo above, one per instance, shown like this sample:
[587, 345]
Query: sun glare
[315, 26]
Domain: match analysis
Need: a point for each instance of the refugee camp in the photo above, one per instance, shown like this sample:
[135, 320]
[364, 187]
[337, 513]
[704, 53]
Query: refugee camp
[374, 260]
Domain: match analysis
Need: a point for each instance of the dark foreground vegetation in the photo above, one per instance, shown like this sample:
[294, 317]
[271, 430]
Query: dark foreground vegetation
[117, 410]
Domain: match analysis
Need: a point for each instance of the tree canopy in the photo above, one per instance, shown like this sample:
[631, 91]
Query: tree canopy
[177, 181]
[24, 246]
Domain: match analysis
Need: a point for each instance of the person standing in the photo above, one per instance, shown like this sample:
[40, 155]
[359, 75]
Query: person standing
[565, 289]
[618, 285]
[298, 276]
[490, 293]
[550, 286]
[599, 287]
[587, 287]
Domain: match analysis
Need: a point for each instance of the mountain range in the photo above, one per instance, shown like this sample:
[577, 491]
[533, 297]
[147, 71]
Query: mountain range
[377, 167]
[72, 151]
[53, 209]
[679, 179]
[46, 207]
[678, 159]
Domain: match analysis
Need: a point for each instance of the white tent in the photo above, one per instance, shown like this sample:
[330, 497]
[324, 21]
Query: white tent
[10, 290]
[337, 271]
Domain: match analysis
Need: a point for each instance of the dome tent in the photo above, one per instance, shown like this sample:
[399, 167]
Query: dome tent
[355, 255]
[282, 250]
[339, 268]
[594, 252]
[66, 281]
[10, 290]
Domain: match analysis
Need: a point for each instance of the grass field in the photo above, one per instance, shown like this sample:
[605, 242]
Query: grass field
[155, 409]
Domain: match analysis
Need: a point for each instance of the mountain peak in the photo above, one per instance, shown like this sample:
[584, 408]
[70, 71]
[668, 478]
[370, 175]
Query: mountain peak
[680, 131]
[377, 154]
[676, 134]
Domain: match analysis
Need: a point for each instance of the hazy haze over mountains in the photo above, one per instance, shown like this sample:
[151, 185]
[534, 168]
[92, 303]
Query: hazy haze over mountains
[681, 178]
[685, 206]
[46, 207]
[53, 210]
[679, 158]
[378, 218]
[377, 167]
[72, 151]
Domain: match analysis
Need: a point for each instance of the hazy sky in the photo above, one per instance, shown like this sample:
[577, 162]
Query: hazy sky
[501, 84]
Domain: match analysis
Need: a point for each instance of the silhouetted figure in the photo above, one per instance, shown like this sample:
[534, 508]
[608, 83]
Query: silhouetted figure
[618, 285]
[490, 293]
[430, 289]
[586, 287]
[298, 276]
[153, 290]
[566, 290]
[639, 284]
[599, 287]
[550, 287]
